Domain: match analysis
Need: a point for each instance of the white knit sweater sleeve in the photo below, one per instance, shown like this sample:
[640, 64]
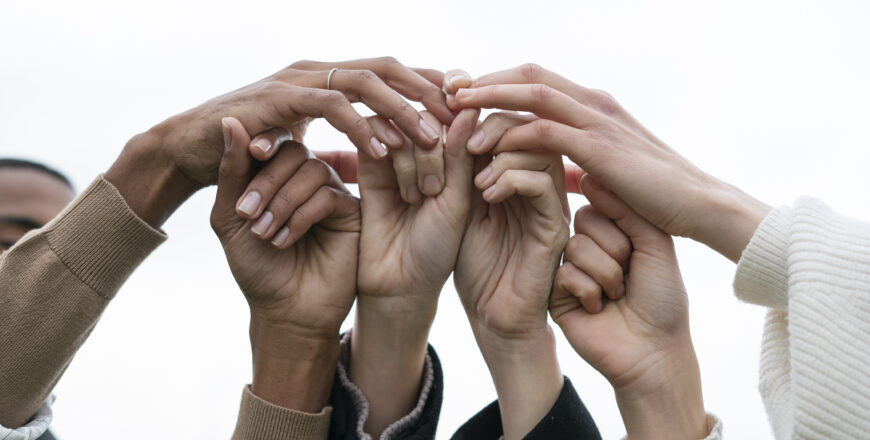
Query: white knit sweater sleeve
[811, 267]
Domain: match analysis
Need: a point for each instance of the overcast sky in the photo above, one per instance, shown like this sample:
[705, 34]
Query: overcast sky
[768, 95]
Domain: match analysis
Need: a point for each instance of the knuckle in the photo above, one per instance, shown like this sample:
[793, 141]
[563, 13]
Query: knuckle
[605, 103]
[544, 128]
[576, 244]
[622, 250]
[613, 275]
[332, 98]
[531, 71]
[388, 61]
[405, 169]
[363, 76]
[301, 64]
[541, 92]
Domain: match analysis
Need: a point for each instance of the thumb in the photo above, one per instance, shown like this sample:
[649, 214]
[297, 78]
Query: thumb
[234, 173]
[345, 163]
[641, 232]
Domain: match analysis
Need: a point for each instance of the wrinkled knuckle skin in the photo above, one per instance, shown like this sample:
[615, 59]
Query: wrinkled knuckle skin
[605, 103]
[541, 92]
[575, 245]
[544, 128]
[531, 72]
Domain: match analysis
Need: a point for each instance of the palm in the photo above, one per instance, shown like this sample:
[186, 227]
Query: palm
[407, 249]
[507, 262]
[299, 285]
[623, 335]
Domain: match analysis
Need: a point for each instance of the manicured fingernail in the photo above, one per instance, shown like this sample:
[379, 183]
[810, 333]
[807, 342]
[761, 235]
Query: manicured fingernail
[249, 203]
[228, 134]
[414, 195]
[482, 177]
[264, 145]
[261, 225]
[431, 185]
[453, 77]
[476, 140]
[428, 130]
[379, 148]
[393, 136]
[281, 237]
[489, 192]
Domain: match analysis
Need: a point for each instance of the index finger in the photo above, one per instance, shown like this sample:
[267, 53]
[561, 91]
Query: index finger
[542, 100]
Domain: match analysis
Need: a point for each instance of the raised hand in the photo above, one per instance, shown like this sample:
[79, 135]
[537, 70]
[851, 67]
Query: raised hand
[407, 252]
[163, 166]
[515, 234]
[620, 300]
[592, 129]
[300, 287]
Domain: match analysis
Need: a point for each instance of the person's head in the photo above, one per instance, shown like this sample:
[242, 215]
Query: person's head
[31, 194]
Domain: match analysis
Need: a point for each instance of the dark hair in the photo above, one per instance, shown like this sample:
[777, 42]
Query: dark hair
[28, 165]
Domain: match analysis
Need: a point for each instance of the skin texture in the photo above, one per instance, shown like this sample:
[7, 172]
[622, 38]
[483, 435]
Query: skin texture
[28, 200]
[513, 240]
[407, 252]
[296, 296]
[637, 333]
[595, 132]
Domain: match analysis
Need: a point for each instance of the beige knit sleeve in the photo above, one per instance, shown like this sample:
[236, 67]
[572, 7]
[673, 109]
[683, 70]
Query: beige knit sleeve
[261, 420]
[54, 284]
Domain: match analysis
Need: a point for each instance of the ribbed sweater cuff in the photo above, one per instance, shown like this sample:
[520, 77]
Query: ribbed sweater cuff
[100, 239]
[261, 420]
[762, 272]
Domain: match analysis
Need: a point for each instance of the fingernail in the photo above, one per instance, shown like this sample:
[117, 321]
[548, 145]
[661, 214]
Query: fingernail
[264, 145]
[228, 134]
[431, 185]
[476, 140]
[428, 130]
[489, 192]
[464, 93]
[379, 148]
[455, 76]
[281, 237]
[393, 136]
[261, 225]
[483, 176]
[249, 203]
[414, 195]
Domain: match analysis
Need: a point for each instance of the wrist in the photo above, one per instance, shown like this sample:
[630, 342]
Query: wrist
[148, 179]
[291, 369]
[729, 219]
[667, 402]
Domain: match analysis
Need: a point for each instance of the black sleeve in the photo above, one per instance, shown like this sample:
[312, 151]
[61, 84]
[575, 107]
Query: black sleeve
[346, 410]
[568, 418]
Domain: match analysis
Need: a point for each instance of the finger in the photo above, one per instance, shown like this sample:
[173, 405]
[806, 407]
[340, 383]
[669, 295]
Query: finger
[234, 171]
[430, 164]
[544, 101]
[535, 186]
[344, 163]
[577, 144]
[263, 145]
[458, 164]
[405, 167]
[311, 175]
[432, 75]
[404, 80]
[365, 86]
[385, 129]
[531, 161]
[325, 203]
[639, 231]
[330, 105]
[266, 183]
[573, 174]
[535, 74]
[456, 79]
[590, 222]
[493, 128]
[586, 255]
[572, 281]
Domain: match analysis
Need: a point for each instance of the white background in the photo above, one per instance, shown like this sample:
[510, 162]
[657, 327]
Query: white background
[768, 95]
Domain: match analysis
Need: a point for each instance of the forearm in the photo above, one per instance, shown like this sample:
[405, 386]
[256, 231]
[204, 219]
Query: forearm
[671, 406]
[291, 370]
[727, 218]
[388, 352]
[526, 374]
[146, 175]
